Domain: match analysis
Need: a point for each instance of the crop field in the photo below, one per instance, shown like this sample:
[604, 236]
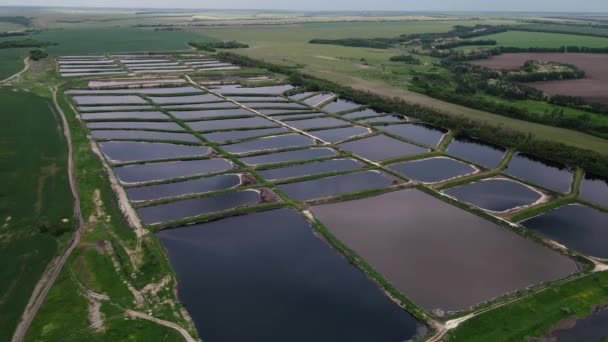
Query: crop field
[11, 61]
[34, 172]
[524, 39]
[266, 149]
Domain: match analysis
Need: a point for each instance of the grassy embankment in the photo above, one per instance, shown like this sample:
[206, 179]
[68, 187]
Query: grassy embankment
[35, 198]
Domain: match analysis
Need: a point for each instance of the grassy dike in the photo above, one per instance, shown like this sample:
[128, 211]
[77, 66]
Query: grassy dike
[110, 260]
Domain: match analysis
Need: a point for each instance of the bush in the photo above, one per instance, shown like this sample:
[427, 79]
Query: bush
[38, 54]
[212, 46]
[407, 59]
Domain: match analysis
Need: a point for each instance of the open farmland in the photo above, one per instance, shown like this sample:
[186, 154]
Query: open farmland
[524, 39]
[592, 87]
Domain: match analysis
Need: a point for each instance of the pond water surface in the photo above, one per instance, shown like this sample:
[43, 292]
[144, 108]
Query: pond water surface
[339, 134]
[289, 156]
[141, 173]
[308, 169]
[591, 328]
[420, 133]
[186, 99]
[316, 123]
[259, 99]
[197, 206]
[205, 114]
[193, 186]
[384, 119]
[211, 125]
[106, 99]
[124, 115]
[433, 169]
[156, 90]
[277, 281]
[495, 194]
[269, 143]
[287, 105]
[365, 113]
[237, 89]
[420, 243]
[595, 189]
[315, 100]
[477, 151]
[129, 151]
[242, 134]
[161, 126]
[297, 116]
[579, 227]
[341, 105]
[381, 147]
[210, 105]
[335, 185]
[542, 172]
[149, 135]
[114, 108]
[301, 96]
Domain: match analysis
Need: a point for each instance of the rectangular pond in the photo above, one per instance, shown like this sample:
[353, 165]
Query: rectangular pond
[477, 151]
[545, 173]
[439, 256]
[186, 99]
[188, 187]
[137, 90]
[225, 124]
[107, 99]
[259, 99]
[193, 207]
[433, 170]
[341, 105]
[283, 117]
[290, 156]
[420, 133]
[496, 194]
[381, 147]
[578, 227]
[225, 136]
[286, 105]
[114, 108]
[129, 151]
[275, 280]
[115, 134]
[124, 115]
[161, 171]
[339, 134]
[317, 99]
[269, 143]
[301, 96]
[208, 106]
[594, 189]
[316, 123]
[238, 89]
[310, 169]
[365, 113]
[385, 119]
[213, 113]
[161, 126]
[335, 185]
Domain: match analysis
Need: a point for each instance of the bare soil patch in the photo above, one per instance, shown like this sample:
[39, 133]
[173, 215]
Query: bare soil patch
[592, 87]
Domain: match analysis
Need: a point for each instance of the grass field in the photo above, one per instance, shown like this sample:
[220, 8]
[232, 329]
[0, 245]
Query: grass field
[535, 315]
[35, 190]
[11, 61]
[523, 39]
[112, 40]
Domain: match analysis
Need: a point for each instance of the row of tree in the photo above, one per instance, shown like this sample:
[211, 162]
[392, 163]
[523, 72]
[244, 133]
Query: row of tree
[213, 46]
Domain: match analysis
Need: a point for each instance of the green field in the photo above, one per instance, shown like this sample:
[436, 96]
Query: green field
[35, 196]
[523, 39]
[113, 40]
[11, 61]
[535, 315]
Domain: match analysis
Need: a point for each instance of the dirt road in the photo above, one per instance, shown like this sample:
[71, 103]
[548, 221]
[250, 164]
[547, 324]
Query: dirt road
[50, 275]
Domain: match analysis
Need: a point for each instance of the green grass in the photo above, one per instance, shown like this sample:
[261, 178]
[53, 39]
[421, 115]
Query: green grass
[11, 61]
[535, 315]
[34, 189]
[524, 39]
[115, 39]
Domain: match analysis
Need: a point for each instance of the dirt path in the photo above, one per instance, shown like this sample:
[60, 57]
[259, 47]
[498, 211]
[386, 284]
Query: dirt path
[50, 275]
[26, 66]
[182, 331]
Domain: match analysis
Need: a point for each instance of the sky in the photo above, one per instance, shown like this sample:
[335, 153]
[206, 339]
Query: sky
[343, 5]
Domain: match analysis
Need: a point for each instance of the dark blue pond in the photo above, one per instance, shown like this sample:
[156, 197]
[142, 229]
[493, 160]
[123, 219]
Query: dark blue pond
[477, 151]
[591, 328]
[542, 172]
[115, 134]
[579, 227]
[384, 119]
[124, 115]
[270, 143]
[194, 186]
[128, 151]
[316, 123]
[197, 206]
[161, 126]
[315, 100]
[381, 147]
[314, 168]
[341, 105]
[274, 280]
[289, 156]
[211, 125]
[433, 169]
[335, 185]
[242, 134]
[168, 170]
[495, 194]
[420, 133]
[365, 113]
[595, 189]
[339, 134]
[186, 99]
[213, 113]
